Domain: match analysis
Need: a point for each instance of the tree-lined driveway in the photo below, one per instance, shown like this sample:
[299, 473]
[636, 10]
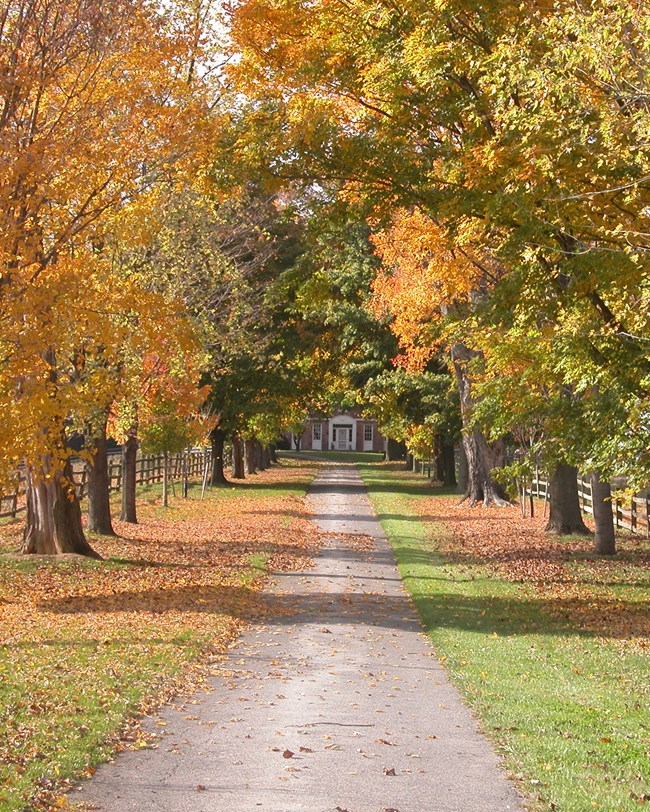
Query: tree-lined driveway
[333, 701]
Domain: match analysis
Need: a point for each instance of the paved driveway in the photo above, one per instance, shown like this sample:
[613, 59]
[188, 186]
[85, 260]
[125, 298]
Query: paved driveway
[335, 702]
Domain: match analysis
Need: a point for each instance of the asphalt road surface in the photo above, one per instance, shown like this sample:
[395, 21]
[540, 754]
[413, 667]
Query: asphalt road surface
[334, 703]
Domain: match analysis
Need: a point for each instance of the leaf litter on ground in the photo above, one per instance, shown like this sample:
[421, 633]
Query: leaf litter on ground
[87, 646]
[605, 596]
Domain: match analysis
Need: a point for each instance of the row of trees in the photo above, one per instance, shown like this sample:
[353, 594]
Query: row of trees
[499, 152]
[92, 121]
[138, 301]
[438, 211]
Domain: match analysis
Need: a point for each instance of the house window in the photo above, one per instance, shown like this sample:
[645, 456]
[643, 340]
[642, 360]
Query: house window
[317, 431]
[367, 433]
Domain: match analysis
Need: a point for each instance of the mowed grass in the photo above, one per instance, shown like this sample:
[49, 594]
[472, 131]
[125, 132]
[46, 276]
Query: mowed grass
[334, 456]
[567, 705]
[85, 646]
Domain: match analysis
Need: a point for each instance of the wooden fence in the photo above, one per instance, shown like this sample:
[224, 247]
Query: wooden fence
[149, 471]
[630, 514]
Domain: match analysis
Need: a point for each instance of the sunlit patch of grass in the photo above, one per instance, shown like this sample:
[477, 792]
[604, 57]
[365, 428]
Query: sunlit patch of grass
[335, 456]
[567, 707]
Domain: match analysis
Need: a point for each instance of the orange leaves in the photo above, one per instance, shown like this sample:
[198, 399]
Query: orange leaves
[422, 275]
[597, 595]
[172, 568]
[85, 644]
[94, 115]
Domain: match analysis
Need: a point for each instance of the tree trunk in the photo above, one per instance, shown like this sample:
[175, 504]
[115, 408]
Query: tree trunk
[438, 462]
[249, 456]
[394, 450]
[565, 517]
[99, 503]
[410, 461]
[53, 514]
[448, 464]
[601, 499]
[463, 473]
[129, 460]
[482, 456]
[165, 480]
[238, 471]
[273, 457]
[259, 456]
[266, 456]
[217, 440]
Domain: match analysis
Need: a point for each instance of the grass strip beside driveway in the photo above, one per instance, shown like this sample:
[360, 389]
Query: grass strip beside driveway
[568, 708]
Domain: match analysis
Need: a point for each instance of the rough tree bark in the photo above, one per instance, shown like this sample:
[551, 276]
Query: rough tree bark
[217, 441]
[462, 469]
[238, 471]
[259, 458]
[445, 463]
[273, 457]
[266, 456]
[129, 459]
[249, 456]
[394, 450]
[482, 456]
[53, 514]
[601, 499]
[99, 503]
[565, 517]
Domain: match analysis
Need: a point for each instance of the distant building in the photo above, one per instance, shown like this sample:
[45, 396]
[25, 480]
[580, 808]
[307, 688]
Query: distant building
[343, 431]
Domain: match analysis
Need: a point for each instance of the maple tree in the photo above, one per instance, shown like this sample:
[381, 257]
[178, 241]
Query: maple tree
[532, 167]
[91, 115]
[229, 259]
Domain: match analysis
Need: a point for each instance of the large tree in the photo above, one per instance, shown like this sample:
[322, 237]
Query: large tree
[92, 113]
[534, 166]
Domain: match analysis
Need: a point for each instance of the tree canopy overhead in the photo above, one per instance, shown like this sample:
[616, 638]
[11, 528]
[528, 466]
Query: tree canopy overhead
[501, 149]
[473, 176]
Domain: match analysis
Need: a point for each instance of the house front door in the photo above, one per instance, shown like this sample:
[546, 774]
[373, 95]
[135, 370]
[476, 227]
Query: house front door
[342, 438]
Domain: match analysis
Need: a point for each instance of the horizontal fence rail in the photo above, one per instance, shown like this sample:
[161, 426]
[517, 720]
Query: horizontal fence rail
[629, 514]
[149, 470]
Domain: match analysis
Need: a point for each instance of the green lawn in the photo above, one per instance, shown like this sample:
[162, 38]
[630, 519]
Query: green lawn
[335, 456]
[569, 710]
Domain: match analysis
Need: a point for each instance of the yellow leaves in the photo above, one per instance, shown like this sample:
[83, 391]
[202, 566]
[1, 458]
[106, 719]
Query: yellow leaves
[422, 274]
[83, 139]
